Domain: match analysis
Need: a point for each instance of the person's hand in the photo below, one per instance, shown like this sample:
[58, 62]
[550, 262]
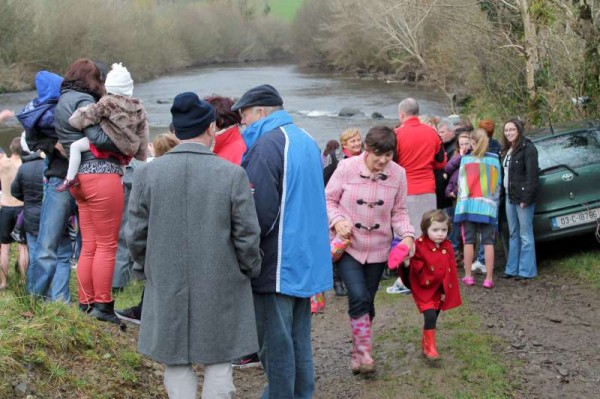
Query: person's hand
[463, 151]
[343, 228]
[410, 243]
[451, 195]
[59, 147]
[6, 114]
[522, 205]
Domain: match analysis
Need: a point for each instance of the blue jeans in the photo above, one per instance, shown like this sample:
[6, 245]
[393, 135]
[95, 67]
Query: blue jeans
[480, 254]
[52, 270]
[521, 259]
[283, 324]
[454, 235]
[362, 282]
[32, 248]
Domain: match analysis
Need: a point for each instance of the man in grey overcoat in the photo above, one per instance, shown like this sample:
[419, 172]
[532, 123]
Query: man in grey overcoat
[194, 233]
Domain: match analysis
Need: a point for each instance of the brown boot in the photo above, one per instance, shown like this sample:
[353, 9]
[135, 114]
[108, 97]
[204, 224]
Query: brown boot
[429, 347]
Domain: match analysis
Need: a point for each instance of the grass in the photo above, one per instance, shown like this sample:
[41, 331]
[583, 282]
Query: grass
[471, 366]
[285, 9]
[584, 266]
[60, 352]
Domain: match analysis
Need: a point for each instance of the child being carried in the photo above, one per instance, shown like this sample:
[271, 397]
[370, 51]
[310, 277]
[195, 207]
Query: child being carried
[121, 117]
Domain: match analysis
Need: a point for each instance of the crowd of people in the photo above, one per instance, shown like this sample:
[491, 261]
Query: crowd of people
[240, 219]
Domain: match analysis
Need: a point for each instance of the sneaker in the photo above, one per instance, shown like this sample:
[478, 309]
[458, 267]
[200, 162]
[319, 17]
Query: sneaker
[67, 184]
[132, 315]
[398, 288]
[18, 236]
[246, 362]
[477, 265]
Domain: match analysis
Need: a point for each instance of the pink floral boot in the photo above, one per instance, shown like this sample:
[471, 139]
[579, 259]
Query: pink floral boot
[361, 332]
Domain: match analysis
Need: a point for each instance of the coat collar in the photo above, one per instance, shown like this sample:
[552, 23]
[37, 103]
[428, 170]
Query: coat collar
[444, 246]
[196, 148]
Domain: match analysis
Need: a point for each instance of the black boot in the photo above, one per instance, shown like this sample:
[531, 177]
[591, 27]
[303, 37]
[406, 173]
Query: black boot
[106, 312]
[340, 288]
[86, 307]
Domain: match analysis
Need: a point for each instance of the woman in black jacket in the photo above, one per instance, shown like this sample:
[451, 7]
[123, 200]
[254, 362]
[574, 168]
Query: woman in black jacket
[520, 167]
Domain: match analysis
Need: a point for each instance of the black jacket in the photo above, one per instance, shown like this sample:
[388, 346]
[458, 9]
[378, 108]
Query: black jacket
[523, 172]
[28, 187]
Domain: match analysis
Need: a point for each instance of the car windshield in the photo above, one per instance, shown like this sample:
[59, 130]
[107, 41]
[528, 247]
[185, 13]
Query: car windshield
[573, 150]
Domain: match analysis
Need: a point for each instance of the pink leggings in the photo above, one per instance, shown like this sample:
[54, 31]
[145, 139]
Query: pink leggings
[100, 201]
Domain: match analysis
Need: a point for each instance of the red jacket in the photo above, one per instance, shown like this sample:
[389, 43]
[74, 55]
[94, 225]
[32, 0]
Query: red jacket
[433, 273]
[230, 145]
[420, 152]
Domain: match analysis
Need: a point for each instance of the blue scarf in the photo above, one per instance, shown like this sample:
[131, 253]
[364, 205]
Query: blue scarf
[254, 131]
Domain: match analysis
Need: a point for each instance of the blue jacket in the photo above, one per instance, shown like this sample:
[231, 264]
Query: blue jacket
[283, 164]
[37, 117]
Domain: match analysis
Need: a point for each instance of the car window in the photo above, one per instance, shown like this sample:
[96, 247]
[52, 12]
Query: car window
[574, 150]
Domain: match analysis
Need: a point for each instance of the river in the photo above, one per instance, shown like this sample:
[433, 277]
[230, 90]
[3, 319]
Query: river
[313, 98]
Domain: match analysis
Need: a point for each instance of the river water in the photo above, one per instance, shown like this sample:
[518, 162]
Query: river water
[313, 98]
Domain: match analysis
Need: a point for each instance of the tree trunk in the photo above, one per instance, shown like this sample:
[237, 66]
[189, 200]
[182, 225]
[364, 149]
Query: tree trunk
[531, 57]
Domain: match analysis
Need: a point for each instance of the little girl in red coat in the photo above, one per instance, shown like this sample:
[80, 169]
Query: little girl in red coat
[432, 275]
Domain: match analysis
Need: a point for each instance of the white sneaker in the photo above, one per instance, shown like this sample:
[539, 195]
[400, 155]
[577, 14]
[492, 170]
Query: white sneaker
[397, 288]
[477, 265]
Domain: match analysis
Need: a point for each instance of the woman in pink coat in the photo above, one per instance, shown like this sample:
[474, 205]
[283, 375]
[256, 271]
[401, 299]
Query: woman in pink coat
[366, 202]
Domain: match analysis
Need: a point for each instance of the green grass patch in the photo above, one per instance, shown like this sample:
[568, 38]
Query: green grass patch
[56, 349]
[584, 266]
[472, 363]
[285, 9]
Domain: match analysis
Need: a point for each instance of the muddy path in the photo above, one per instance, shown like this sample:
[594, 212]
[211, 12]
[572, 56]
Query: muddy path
[548, 328]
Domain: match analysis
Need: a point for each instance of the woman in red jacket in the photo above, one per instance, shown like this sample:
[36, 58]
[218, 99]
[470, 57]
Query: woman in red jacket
[432, 276]
[228, 143]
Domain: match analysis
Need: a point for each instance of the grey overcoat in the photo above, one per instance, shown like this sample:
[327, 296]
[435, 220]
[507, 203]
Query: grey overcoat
[193, 230]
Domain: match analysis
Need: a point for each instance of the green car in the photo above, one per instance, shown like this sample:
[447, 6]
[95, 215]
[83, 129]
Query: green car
[568, 196]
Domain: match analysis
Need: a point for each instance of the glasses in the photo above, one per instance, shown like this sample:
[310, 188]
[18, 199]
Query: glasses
[369, 204]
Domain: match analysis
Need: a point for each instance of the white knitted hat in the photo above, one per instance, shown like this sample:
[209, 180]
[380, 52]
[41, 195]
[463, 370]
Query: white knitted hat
[118, 81]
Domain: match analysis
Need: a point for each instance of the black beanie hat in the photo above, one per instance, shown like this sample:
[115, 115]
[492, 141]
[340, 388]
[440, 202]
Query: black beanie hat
[191, 115]
[265, 95]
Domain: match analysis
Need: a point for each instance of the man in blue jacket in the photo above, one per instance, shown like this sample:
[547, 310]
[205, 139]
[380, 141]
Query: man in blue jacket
[283, 164]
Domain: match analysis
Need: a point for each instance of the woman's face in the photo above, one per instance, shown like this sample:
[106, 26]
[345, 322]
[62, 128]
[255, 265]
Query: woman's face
[464, 144]
[377, 163]
[511, 132]
[353, 145]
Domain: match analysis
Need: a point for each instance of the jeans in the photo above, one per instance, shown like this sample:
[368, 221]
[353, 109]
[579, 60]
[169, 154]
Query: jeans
[32, 247]
[52, 270]
[362, 282]
[521, 260]
[123, 259]
[283, 324]
[454, 236]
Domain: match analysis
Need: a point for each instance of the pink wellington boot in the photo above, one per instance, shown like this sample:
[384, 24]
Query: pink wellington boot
[361, 331]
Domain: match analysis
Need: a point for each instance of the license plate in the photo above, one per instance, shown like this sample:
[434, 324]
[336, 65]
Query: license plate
[574, 219]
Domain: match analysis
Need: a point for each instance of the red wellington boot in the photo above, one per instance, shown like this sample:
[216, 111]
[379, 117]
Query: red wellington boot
[429, 347]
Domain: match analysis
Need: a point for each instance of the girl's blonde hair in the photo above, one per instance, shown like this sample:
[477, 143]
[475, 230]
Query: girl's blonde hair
[164, 143]
[480, 137]
[348, 134]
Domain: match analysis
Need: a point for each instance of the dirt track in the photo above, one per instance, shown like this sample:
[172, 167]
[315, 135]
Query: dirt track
[549, 327]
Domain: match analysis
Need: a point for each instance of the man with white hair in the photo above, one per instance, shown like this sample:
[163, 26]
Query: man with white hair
[420, 152]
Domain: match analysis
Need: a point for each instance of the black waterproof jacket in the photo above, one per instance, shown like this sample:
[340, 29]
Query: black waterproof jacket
[28, 187]
[523, 172]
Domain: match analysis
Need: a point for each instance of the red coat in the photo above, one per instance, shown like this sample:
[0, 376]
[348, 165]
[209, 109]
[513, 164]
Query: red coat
[433, 273]
[230, 145]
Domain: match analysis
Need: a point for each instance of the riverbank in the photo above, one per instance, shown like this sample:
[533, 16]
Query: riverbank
[519, 340]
